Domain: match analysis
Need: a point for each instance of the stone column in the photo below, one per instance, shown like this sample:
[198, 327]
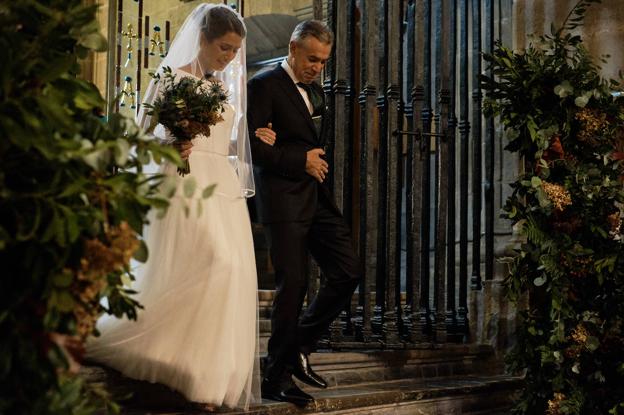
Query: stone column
[93, 68]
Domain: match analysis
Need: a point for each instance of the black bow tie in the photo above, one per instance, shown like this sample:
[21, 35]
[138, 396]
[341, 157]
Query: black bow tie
[315, 98]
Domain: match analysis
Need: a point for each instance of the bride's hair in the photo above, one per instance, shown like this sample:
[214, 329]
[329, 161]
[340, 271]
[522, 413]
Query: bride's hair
[220, 21]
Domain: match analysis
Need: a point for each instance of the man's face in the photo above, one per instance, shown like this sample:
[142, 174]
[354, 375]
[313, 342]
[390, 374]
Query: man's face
[307, 58]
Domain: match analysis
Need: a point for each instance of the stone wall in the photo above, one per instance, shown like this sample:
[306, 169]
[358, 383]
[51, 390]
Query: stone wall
[98, 69]
[300, 8]
[603, 32]
[94, 67]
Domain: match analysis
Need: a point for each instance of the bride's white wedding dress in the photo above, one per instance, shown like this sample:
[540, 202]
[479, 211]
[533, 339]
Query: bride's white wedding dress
[198, 331]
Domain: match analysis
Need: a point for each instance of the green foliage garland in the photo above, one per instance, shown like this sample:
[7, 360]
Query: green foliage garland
[564, 121]
[73, 202]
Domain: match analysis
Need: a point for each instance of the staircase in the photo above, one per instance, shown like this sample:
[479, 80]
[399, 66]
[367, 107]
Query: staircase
[454, 380]
[433, 379]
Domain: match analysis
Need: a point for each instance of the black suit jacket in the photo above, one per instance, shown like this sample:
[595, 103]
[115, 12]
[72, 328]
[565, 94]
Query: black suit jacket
[284, 191]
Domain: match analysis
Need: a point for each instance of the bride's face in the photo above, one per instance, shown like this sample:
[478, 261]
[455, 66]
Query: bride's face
[215, 55]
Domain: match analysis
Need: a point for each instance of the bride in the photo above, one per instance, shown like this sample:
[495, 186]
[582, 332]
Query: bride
[198, 330]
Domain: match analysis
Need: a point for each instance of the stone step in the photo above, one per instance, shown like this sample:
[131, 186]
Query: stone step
[341, 370]
[350, 368]
[429, 361]
[466, 395]
[471, 395]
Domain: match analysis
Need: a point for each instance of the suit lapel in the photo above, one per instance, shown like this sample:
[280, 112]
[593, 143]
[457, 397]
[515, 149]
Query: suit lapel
[291, 91]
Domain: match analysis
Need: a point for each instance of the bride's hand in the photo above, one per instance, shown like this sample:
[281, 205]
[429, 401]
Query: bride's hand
[266, 134]
[184, 148]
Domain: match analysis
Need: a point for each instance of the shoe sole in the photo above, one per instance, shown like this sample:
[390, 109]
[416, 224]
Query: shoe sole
[314, 385]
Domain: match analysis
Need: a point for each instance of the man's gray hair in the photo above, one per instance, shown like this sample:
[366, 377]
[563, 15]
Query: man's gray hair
[314, 28]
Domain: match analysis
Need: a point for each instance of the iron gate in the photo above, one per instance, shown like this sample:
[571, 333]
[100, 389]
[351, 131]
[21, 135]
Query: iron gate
[413, 161]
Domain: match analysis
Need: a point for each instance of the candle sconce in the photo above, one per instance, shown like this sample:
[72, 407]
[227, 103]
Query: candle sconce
[128, 94]
[156, 42]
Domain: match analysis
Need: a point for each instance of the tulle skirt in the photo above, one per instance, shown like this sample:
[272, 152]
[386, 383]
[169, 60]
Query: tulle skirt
[198, 332]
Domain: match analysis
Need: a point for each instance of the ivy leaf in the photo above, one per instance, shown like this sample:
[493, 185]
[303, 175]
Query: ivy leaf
[141, 253]
[168, 186]
[143, 156]
[27, 226]
[542, 197]
[63, 279]
[57, 67]
[200, 208]
[532, 126]
[126, 280]
[539, 281]
[189, 186]
[94, 41]
[598, 376]
[576, 368]
[511, 134]
[558, 356]
[54, 111]
[592, 343]
[208, 191]
[122, 150]
[62, 300]
[71, 223]
[564, 89]
[583, 99]
[97, 158]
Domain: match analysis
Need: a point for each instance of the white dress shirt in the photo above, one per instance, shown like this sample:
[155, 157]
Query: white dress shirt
[302, 91]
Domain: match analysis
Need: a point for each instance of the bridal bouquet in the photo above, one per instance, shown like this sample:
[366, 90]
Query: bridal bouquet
[187, 107]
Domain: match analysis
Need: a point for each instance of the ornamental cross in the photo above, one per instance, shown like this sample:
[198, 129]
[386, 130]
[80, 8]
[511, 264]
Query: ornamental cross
[131, 35]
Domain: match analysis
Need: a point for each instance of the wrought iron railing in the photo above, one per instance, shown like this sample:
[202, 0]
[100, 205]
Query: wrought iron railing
[413, 164]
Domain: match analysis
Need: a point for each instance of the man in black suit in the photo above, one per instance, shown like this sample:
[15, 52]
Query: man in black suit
[286, 115]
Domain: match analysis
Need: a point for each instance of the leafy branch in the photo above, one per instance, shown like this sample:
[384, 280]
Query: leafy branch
[73, 203]
[576, 16]
[563, 120]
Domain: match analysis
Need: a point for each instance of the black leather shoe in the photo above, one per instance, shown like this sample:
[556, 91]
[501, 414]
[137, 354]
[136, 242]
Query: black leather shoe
[304, 372]
[285, 392]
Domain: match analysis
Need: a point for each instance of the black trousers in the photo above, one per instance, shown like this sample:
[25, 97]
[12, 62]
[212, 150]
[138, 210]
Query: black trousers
[328, 238]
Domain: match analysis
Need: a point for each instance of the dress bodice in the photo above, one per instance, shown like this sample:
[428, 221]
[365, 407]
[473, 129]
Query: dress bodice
[220, 134]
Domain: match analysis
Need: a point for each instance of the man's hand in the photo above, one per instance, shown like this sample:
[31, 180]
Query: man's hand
[315, 165]
[184, 148]
[266, 134]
